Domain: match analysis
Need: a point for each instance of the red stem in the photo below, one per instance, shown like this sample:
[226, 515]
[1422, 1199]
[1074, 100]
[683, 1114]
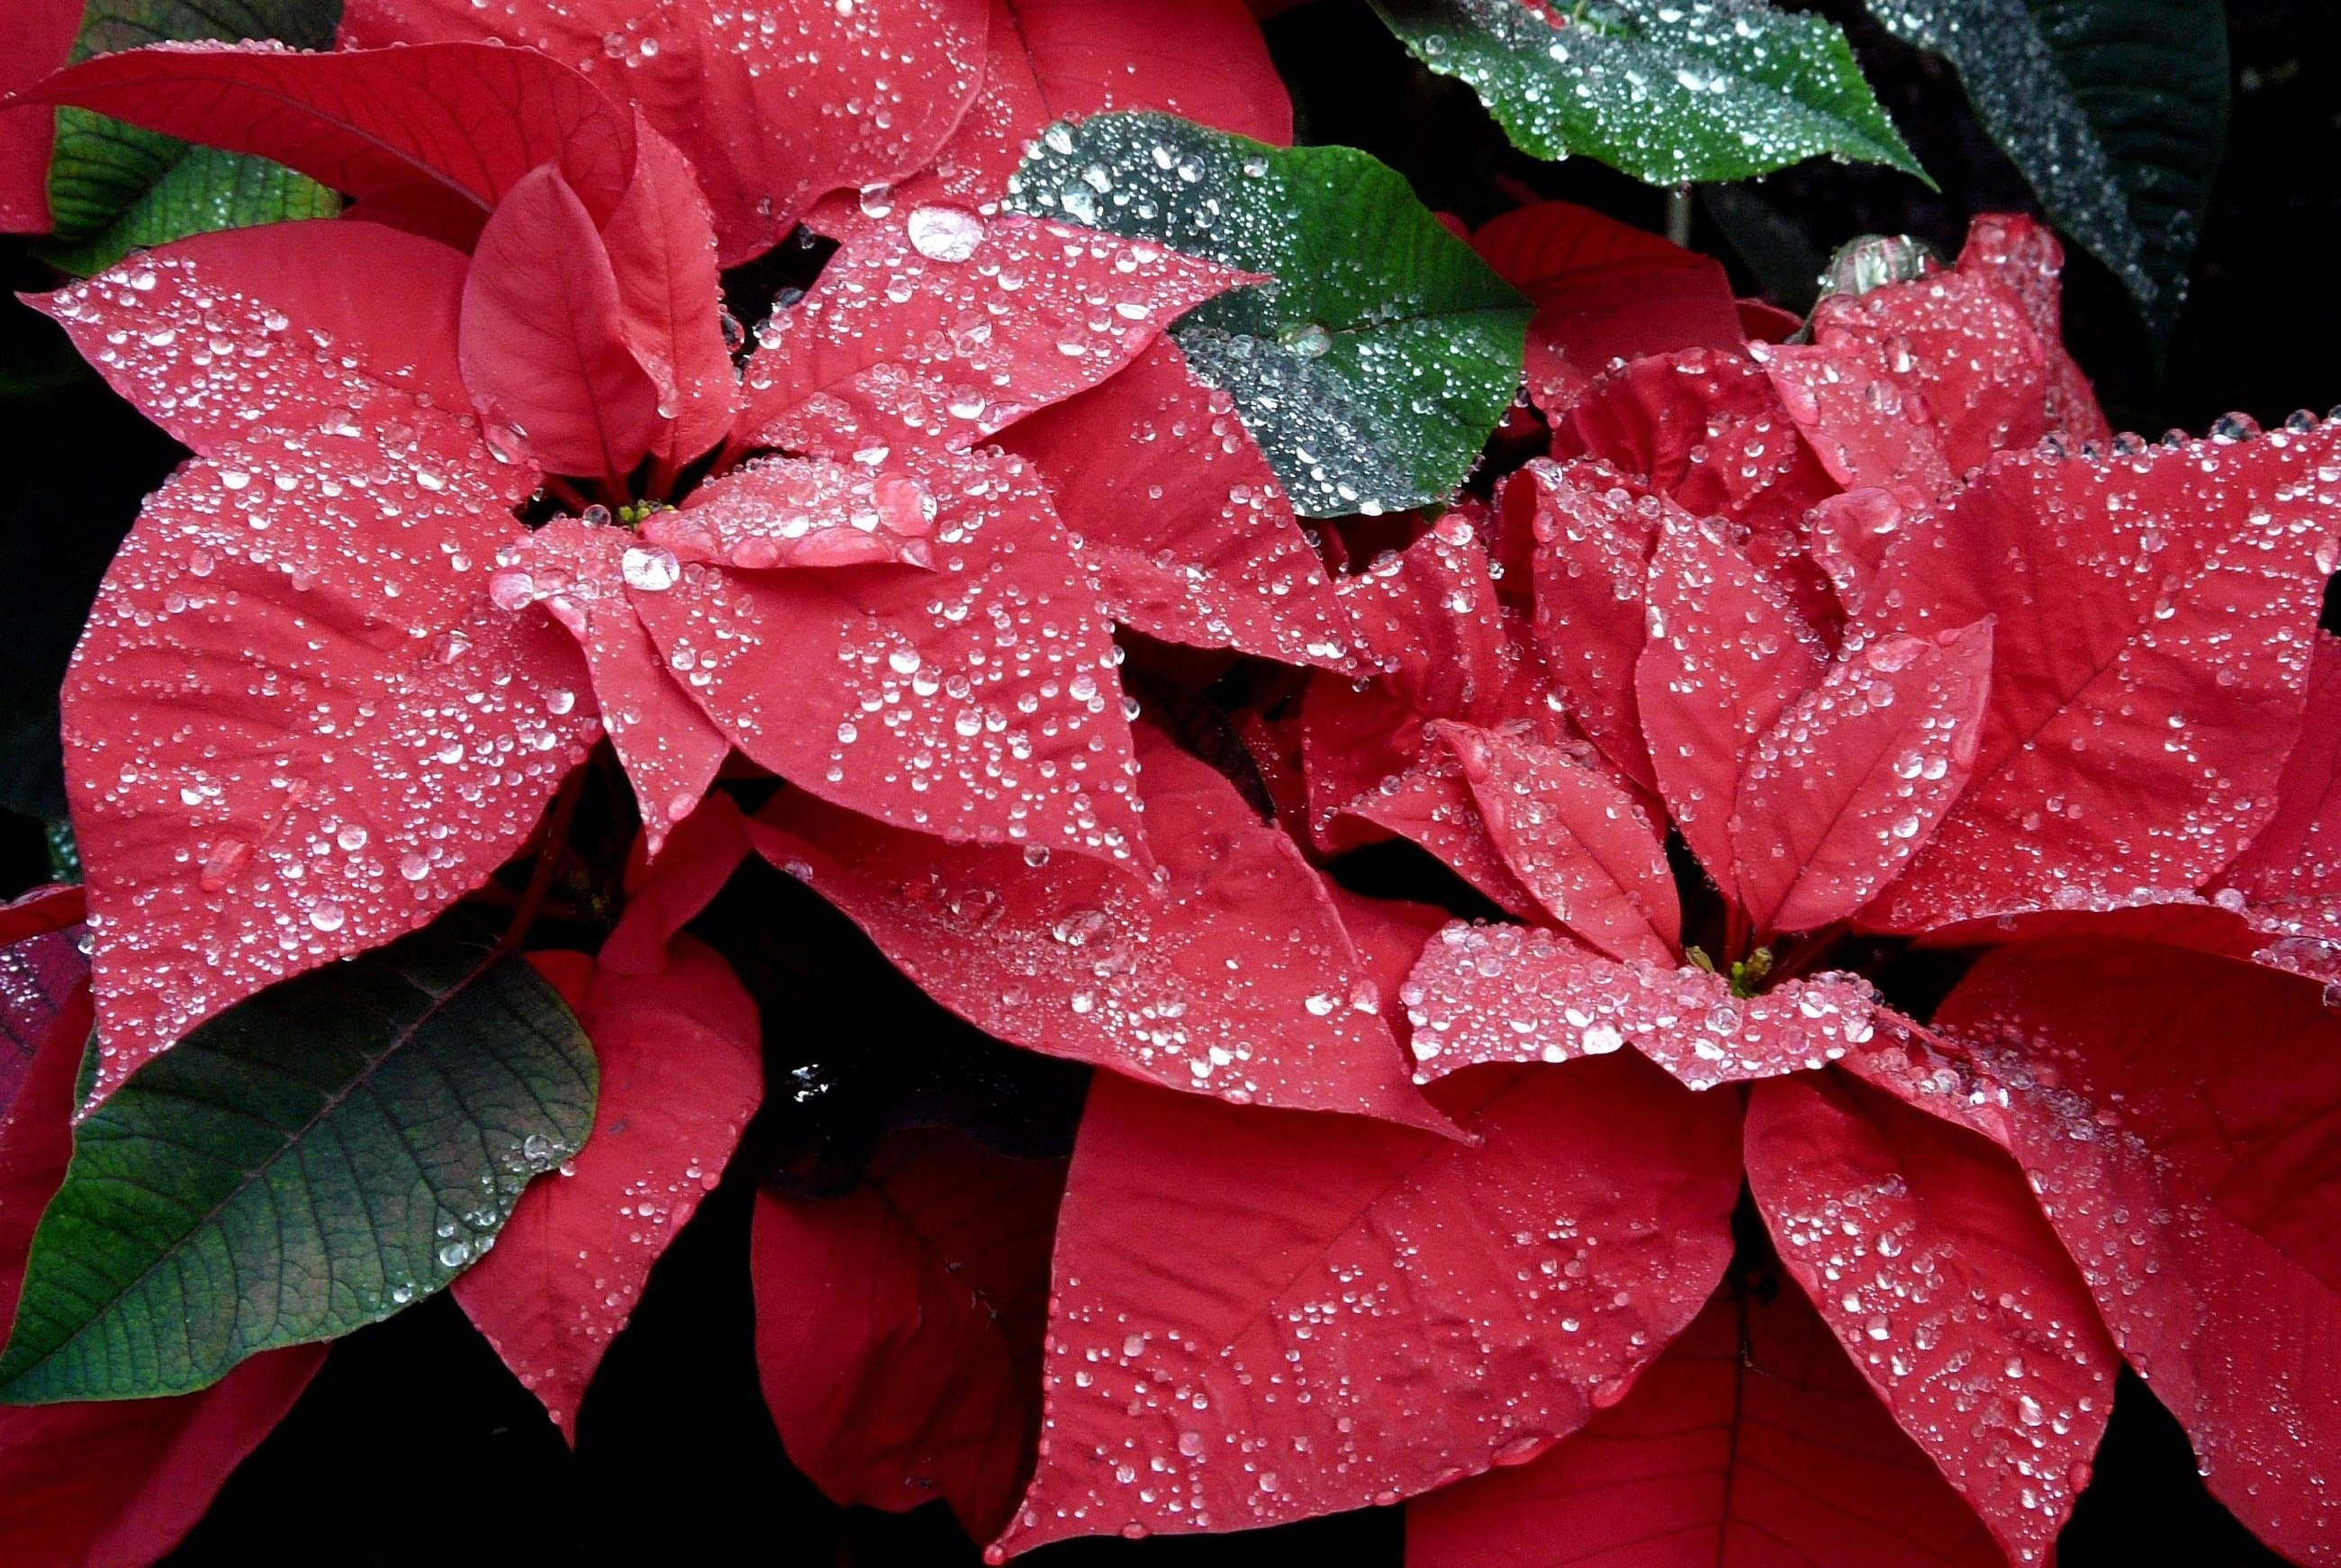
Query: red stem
[566, 493]
[553, 842]
[661, 483]
[1735, 936]
[1811, 950]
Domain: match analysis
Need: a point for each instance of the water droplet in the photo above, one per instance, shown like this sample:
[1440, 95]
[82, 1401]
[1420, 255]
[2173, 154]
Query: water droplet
[943, 233]
[653, 568]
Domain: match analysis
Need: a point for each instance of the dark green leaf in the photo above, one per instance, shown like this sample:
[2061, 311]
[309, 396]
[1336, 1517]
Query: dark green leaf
[2116, 110]
[307, 1163]
[1373, 369]
[113, 186]
[1669, 91]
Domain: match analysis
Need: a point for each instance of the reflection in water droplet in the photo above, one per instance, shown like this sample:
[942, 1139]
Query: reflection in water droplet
[652, 569]
[944, 233]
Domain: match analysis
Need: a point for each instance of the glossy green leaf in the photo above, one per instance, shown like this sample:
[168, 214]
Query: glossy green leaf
[2115, 110]
[113, 186]
[1669, 91]
[1372, 368]
[309, 1161]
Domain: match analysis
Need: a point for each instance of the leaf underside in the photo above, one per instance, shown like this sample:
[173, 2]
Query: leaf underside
[309, 1161]
[114, 187]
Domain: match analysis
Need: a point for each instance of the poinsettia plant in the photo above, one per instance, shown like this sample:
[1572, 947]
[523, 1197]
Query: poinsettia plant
[1298, 855]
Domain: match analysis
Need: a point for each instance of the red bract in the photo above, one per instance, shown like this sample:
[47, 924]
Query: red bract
[1261, 1317]
[1229, 976]
[1750, 1443]
[543, 343]
[2156, 613]
[375, 737]
[680, 1073]
[345, 566]
[773, 106]
[1577, 841]
[898, 1327]
[1927, 1256]
[2192, 1182]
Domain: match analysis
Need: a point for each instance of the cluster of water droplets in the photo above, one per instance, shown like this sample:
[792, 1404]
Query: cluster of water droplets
[2204, 564]
[1425, 1310]
[802, 511]
[1368, 372]
[952, 324]
[1670, 91]
[321, 576]
[2004, 1377]
[1484, 993]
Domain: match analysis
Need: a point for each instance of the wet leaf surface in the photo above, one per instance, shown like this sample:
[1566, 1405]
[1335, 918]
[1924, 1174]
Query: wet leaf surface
[1713, 89]
[1373, 368]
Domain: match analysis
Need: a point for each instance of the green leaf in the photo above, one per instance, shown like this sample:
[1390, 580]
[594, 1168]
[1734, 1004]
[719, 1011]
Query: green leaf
[204, 189]
[1669, 91]
[113, 186]
[1372, 368]
[307, 1163]
[2115, 110]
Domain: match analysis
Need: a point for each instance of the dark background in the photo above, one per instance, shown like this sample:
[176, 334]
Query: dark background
[416, 1446]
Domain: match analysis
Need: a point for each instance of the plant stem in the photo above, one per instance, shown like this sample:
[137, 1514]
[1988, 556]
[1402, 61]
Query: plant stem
[1679, 216]
[1810, 949]
[566, 493]
[553, 843]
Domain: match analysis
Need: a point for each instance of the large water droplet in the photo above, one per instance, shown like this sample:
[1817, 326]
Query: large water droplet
[943, 233]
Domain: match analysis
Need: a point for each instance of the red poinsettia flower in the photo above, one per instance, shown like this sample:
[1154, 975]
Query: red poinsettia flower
[2005, 675]
[429, 548]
